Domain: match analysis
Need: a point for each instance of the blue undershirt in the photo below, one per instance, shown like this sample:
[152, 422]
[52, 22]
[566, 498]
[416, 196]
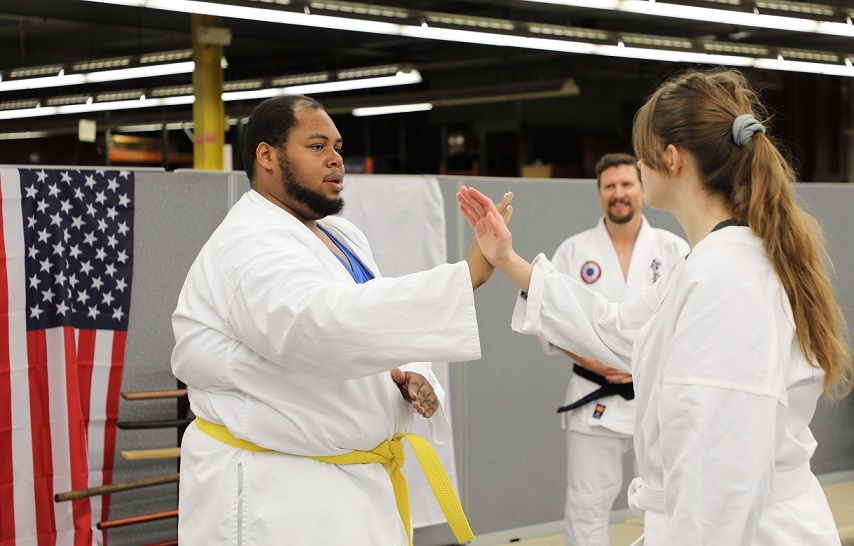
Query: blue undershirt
[355, 268]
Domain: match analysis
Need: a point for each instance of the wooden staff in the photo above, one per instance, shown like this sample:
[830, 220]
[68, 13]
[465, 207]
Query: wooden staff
[142, 454]
[150, 395]
[142, 518]
[116, 487]
[168, 423]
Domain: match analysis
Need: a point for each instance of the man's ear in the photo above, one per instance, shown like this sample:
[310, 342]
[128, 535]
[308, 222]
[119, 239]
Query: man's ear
[674, 160]
[265, 155]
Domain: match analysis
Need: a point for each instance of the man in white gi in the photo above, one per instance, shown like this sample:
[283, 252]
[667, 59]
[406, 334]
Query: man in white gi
[617, 258]
[289, 354]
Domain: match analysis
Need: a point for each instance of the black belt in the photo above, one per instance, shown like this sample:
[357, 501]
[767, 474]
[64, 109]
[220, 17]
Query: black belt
[626, 390]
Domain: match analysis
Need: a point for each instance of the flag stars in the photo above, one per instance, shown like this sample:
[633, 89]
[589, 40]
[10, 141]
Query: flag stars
[48, 295]
[82, 296]
[77, 228]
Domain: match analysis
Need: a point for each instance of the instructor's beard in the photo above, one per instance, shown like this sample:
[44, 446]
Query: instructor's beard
[315, 201]
[621, 219]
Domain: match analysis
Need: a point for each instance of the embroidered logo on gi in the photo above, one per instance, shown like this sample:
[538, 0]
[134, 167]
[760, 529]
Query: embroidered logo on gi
[656, 269]
[600, 409]
[590, 272]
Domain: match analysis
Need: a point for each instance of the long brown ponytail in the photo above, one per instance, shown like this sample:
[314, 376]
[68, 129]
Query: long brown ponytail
[695, 111]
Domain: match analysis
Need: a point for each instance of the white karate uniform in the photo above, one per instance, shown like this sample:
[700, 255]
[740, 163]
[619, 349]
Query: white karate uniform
[599, 434]
[277, 342]
[724, 396]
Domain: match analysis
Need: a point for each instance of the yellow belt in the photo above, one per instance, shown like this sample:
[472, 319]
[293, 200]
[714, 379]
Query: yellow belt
[391, 455]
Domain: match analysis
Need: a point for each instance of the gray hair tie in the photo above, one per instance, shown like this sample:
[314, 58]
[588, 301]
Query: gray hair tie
[743, 128]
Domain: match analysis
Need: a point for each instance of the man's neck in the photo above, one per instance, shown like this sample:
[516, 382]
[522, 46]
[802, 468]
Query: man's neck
[624, 234]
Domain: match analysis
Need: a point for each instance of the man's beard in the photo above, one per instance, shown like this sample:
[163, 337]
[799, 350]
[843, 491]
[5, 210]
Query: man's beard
[621, 219]
[315, 201]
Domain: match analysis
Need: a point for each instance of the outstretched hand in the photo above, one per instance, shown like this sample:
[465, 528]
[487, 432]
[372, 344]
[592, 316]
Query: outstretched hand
[493, 236]
[417, 391]
[479, 267]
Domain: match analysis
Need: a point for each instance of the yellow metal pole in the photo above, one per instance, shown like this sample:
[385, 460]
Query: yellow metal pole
[208, 111]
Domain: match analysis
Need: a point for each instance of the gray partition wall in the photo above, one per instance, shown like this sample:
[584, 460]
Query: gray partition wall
[509, 445]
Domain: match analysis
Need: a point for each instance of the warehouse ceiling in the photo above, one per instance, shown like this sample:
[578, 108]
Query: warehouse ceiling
[65, 33]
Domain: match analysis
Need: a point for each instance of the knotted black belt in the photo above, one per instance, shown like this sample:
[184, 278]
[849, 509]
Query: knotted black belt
[626, 390]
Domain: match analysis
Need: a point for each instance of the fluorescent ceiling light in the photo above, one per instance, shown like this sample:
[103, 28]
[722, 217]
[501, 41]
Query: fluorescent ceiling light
[428, 32]
[394, 109]
[711, 15]
[99, 77]
[400, 78]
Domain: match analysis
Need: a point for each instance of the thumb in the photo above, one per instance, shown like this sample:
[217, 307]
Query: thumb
[398, 376]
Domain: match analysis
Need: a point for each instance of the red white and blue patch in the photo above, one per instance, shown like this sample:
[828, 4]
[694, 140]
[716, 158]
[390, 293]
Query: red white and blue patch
[590, 272]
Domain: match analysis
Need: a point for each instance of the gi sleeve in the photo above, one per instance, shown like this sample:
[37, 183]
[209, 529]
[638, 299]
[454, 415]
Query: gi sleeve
[571, 316]
[291, 313]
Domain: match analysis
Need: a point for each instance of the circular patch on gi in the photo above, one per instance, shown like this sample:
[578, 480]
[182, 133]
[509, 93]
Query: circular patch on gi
[590, 272]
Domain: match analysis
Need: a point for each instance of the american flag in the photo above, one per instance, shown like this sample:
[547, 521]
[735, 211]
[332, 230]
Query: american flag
[66, 244]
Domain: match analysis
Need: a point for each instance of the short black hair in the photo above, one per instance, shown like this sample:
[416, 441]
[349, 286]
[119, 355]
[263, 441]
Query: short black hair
[271, 122]
[613, 160]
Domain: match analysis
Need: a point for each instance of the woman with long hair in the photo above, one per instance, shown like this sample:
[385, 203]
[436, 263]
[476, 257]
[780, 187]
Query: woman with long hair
[732, 348]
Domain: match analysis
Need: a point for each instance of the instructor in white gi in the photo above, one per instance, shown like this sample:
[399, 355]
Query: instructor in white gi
[617, 258]
[289, 353]
[731, 348]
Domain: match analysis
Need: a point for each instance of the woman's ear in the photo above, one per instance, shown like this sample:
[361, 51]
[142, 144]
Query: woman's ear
[674, 160]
